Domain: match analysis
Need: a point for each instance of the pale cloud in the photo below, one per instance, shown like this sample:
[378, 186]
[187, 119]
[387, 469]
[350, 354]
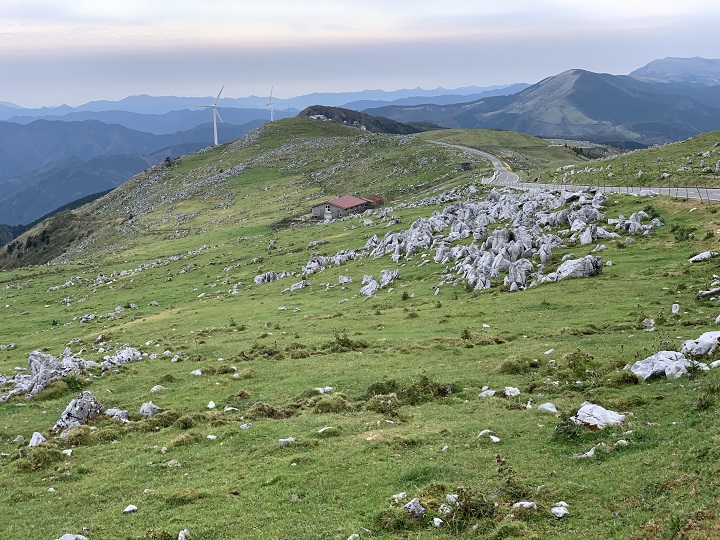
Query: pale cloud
[112, 49]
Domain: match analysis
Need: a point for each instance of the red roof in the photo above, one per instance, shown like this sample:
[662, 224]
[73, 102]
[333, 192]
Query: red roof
[347, 201]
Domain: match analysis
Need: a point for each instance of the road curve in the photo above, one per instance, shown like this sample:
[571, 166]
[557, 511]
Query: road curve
[508, 178]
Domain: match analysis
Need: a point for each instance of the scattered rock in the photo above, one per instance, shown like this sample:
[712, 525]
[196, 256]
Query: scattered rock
[705, 344]
[414, 508]
[79, 411]
[528, 505]
[559, 511]
[705, 255]
[596, 417]
[37, 439]
[511, 391]
[548, 407]
[157, 388]
[70, 536]
[149, 409]
[130, 508]
[119, 415]
[670, 364]
[286, 442]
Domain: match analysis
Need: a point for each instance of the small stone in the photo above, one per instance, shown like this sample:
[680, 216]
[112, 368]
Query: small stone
[157, 388]
[211, 405]
[130, 508]
[212, 437]
[286, 442]
[414, 508]
[37, 439]
[511, 391]
[196, 372]
[549, 351]
[437, 522]
[399, 496]
[245, 426]
[68, 452]
[528, 505]
[149, 409]
[559, 511]
[548, 407]
[184, 535]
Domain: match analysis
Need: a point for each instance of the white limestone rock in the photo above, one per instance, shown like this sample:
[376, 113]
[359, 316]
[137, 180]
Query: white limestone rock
[705, 255]
[37, 439]
[119, 415]
[547, 407]
[130, 508]
[415, 509]
[705, 344]
[559, 511]
[149, 409]
[79, 411]
[670, 364]
[597, 417]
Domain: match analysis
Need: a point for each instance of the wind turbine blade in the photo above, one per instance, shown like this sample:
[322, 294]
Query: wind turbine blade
[218, 114]
[218, 96]
[204, 106]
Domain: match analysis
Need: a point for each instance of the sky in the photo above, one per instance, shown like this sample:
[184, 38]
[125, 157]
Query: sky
[56, 52]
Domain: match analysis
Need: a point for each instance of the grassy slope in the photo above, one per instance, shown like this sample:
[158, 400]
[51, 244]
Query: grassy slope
[653, 162]
[243, 485]
[520, 151]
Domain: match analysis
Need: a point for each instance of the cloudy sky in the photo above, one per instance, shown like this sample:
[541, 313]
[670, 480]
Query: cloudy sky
[74, 51]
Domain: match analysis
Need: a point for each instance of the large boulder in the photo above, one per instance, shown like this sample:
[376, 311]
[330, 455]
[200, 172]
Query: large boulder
[79, 411]
[668, 364]
[596, 417]
[43, 370]
[705, 344]
[584, 267]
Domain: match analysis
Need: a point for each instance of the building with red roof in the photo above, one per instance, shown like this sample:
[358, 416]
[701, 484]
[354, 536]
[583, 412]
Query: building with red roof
[344, 206]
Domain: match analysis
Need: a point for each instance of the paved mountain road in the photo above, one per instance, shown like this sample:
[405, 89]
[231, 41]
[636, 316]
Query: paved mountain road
[508, 178]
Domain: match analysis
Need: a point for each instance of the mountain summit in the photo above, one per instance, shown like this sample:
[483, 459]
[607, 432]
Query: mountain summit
[695, 70]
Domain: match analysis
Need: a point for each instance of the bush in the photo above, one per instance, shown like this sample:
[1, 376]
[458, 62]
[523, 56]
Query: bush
[185, 422]
[186, 438]
[332, 404]
[264, 410]
[387, 404]
[78, 436]
[38, 457]
[424, 390]
[513, 365]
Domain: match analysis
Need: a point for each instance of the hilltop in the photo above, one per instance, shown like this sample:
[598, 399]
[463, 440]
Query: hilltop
[316, 377]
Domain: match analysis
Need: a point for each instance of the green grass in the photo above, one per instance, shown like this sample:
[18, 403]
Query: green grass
[681, 161]
[333, 484]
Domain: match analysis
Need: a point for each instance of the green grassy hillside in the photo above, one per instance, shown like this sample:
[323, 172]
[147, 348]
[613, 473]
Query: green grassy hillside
[179, 249]
[688, 163]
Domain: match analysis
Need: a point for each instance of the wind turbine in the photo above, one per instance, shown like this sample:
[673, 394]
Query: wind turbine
[216, 114]
[270, 104]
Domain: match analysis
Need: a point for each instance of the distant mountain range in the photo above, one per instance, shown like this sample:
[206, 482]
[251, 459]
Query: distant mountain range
[44, 164]
[611, 109]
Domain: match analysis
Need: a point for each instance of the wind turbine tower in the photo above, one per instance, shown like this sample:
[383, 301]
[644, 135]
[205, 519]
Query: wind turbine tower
[270, 104]
[216, 114]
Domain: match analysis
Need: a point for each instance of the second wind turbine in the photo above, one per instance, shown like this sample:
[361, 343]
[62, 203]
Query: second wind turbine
[216, 114]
